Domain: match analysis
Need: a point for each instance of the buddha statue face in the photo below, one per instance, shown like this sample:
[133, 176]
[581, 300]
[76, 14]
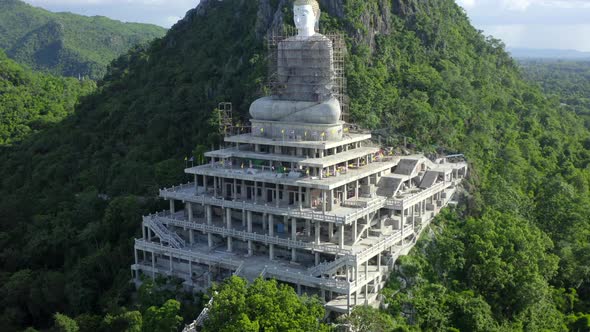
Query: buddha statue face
[305, 17]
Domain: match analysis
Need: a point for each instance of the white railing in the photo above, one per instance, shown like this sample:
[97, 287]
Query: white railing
[244, 205]
[330, 267]
[192, 327]
[384, 244]
[164, 233]
[166, 218]
[239, 270]
[417, 197]
[372, 206]
[186, 254]
[305, 279]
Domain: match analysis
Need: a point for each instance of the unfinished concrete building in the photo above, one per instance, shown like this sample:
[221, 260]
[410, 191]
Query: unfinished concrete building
[300, 198]
[328, 217]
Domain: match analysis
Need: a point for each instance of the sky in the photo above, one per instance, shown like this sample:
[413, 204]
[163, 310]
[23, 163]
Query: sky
[540, 24]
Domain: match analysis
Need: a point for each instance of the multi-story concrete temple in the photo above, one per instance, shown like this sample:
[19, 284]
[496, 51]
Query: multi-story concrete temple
[299, 199]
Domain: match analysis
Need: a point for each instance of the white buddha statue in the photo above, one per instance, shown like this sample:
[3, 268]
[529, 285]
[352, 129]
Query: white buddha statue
[305, 73]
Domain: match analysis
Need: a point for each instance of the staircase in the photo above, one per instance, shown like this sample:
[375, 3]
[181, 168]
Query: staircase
[165, 235]
[192, 327]
[328, 267]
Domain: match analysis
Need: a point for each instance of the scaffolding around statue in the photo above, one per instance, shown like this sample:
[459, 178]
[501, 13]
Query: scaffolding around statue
[276, 69]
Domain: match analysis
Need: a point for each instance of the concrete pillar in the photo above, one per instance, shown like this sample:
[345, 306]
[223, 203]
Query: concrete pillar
[190, 269]
[317, 232]
[286, 224]
[307, 228]
[300, 198]
[293, 255]
[317, 258]
[354, 231]
[271, 225]
[298, 289]
[191, 236]
[348, 301]
[413, 218]
[294, 229]
[153, 266]
[331, 231]
[215, 186]
[356, 190]
[250, 251]
[379, 263]
[190, 211]
[229, 244]
[209, 214]
[255, 192]
[223, 187]
[171, 269]
[205, 183]
[271, 252]
[235, 189]
[172, 211]
[243, 190]
[341, 235]
[210, 241]
[367, 294]
[249, 221]
[264, 222]
[228, 218]
[277, 201]
[243, 218]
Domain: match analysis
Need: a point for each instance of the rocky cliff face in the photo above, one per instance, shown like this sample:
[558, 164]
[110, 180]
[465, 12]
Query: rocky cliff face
[375, 15]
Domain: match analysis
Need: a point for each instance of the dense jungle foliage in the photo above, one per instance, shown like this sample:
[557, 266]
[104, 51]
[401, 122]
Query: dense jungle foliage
[30, 101]
[567, 80]
[64, 43]
[512, 257]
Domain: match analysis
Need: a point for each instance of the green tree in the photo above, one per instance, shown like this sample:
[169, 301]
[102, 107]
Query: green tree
[162, 319]
[262, 305]
[65, 324]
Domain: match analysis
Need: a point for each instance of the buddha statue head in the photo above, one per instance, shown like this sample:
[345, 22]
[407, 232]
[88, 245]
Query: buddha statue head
[306, 14]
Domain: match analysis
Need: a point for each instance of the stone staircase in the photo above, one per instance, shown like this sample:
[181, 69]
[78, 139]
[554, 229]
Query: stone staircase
[165, 235]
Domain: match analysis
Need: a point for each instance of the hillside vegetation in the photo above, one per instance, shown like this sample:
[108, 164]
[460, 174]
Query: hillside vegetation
[567, 80]
[512, 257]
[64, 43]
[30, 101]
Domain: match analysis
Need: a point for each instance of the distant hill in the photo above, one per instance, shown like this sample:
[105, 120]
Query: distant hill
[31, 101]
[531, 53]
[65, 43]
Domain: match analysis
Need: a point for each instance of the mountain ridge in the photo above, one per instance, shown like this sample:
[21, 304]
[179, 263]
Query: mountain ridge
[65, 43]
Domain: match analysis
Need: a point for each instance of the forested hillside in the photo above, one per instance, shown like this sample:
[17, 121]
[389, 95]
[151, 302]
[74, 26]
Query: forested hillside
[512, 257]
[567, 80]
[64, 43]
[30, 101]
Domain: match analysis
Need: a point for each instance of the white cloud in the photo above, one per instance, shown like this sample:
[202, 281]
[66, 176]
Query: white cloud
[171, 20]
[142, 3]
[522, 5]
[466, 3]
[542, 36]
